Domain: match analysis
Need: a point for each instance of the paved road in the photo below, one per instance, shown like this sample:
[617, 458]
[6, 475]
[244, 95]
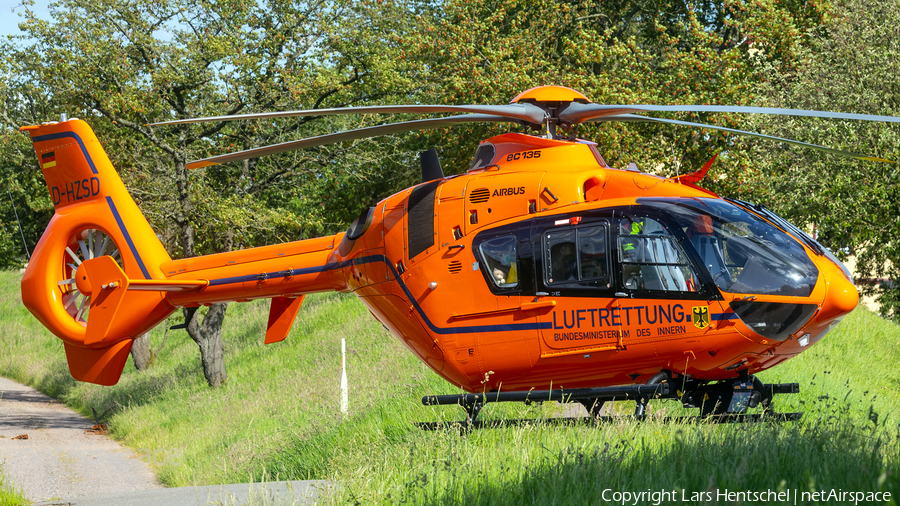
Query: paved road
[253, 494]
[59, 459]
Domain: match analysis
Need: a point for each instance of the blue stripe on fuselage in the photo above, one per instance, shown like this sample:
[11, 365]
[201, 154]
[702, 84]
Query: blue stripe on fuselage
[730, 315]
[381, 258]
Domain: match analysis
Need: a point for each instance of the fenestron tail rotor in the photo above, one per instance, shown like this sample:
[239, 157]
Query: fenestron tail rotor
[545, 105]
[83, 245]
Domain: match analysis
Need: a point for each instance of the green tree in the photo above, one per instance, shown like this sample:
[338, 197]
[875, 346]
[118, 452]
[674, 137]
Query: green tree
[22, 102]
[850, 65]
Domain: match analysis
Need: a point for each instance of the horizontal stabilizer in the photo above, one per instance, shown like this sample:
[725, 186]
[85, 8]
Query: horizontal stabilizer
[161, 285]
[107, 285]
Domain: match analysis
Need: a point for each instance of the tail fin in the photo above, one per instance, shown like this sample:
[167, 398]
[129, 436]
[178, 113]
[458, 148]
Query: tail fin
[97, 227]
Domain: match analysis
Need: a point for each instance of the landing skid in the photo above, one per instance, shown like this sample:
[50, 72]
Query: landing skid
[725, 401]
[569, 421]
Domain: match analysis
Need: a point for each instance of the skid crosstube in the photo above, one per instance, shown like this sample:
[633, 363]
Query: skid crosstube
[621, 393]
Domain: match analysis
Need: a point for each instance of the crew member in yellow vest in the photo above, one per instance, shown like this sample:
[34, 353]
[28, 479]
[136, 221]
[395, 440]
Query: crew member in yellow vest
[629, 229]
[630, 245]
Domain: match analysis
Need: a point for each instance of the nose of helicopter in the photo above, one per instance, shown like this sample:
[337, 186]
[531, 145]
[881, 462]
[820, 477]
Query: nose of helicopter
[840, 298]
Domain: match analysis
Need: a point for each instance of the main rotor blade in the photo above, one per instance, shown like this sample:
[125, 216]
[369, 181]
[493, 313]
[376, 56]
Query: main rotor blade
[524, 112]
[839, 152]
[577, 113]
[349, 135]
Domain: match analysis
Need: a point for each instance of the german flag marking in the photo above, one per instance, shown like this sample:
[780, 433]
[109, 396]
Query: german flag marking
[48, 160]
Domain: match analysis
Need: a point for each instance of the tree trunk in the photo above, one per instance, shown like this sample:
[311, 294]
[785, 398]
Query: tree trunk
[182, 213]
[141, 353]
[208, 337]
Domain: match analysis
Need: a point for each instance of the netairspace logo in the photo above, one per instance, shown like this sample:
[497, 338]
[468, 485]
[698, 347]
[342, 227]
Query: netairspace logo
[794, 496]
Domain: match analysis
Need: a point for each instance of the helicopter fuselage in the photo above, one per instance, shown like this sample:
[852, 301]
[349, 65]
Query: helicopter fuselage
[542, 268]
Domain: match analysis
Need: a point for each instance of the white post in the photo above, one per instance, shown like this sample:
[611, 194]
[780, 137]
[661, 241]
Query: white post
[343, 377]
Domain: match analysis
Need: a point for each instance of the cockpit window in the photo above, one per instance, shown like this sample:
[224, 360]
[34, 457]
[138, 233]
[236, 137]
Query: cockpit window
[499, 256]
[483, 156]
[743, 252]
[650, 257]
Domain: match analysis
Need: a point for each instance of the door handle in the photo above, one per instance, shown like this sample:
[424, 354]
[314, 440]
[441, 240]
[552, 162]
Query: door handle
[528, 306]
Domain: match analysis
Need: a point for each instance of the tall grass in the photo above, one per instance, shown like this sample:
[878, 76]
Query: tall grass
[10, 495]
[278, 417]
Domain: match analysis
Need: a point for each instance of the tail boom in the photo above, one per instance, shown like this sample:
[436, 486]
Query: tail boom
[283, 270]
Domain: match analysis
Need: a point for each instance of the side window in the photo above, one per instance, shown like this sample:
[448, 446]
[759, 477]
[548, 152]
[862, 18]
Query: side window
[499, 256]
[576, 256]
[592, 262]
[561, 265]
[651, 258]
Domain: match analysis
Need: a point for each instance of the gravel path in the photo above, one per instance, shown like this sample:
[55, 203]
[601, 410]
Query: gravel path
[59, 460]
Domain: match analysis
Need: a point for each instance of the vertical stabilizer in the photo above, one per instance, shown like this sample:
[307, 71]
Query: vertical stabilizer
[96, 223]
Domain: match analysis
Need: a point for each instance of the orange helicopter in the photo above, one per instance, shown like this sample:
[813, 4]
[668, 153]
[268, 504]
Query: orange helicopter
[541, 273]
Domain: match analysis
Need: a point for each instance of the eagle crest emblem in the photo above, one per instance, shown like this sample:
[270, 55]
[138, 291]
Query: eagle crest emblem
[701, 317]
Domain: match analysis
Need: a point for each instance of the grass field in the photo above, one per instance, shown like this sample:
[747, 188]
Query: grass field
[278, 417]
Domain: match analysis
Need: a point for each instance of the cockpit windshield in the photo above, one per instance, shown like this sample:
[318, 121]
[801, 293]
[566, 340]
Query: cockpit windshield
[743, 252]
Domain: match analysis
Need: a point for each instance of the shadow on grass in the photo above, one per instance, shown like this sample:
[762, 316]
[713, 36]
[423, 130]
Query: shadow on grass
[139, 389]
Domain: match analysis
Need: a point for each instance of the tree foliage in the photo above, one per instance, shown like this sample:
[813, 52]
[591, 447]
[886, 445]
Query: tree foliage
[851, 65]
[27, 201]
[626, 52]
[122, 65]
[134, 62]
